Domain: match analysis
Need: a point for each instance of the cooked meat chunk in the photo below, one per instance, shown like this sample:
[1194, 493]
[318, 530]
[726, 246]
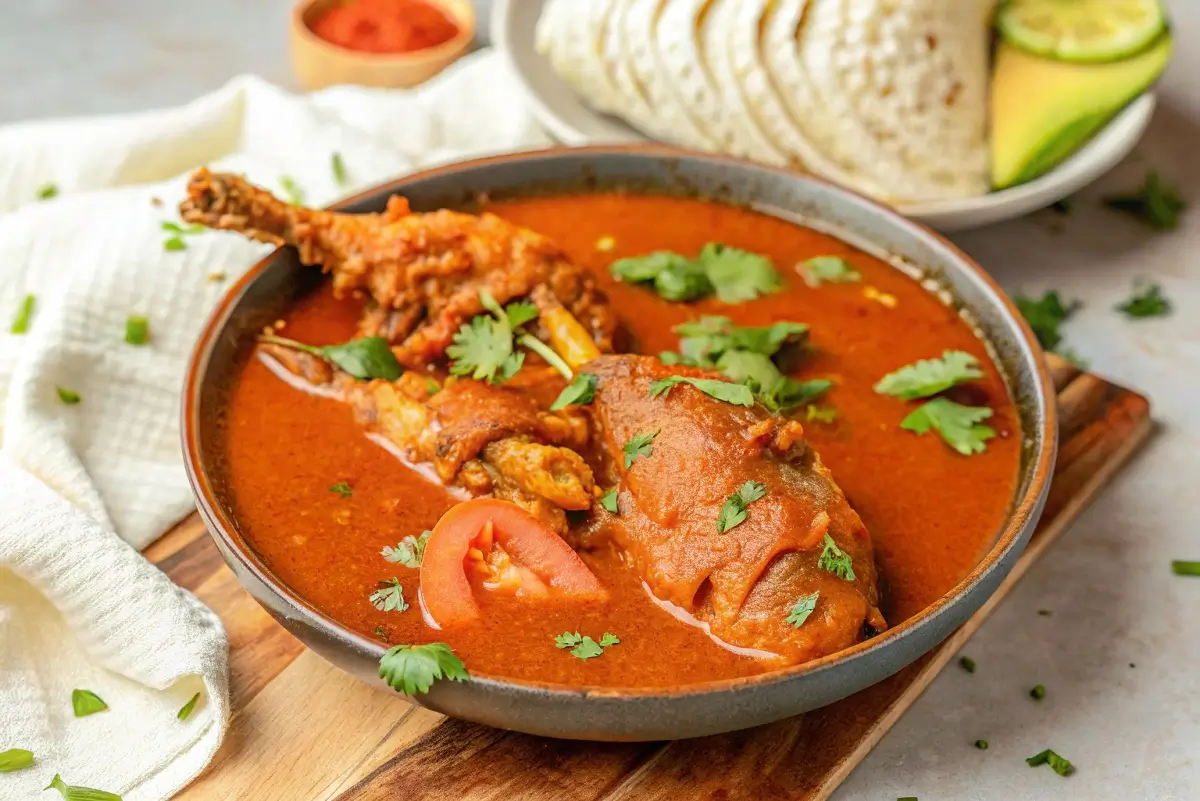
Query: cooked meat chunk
[425, 271]
[744, 582]
[557, 474]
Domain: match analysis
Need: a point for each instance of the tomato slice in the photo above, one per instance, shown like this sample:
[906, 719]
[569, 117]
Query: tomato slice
[545, 565]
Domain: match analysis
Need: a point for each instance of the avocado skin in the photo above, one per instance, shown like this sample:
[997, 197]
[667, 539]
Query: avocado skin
[1045, 110]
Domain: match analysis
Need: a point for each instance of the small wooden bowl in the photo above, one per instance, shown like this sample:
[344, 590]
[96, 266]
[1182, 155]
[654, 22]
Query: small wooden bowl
[318, 63]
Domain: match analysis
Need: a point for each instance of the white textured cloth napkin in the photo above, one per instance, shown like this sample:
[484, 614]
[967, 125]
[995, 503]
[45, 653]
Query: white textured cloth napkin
[84, 485]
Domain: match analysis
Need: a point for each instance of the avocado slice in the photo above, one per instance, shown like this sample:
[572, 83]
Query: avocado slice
[1044, 110]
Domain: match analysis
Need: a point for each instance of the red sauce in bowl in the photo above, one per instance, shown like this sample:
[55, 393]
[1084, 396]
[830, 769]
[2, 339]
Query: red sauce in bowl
[384, 26]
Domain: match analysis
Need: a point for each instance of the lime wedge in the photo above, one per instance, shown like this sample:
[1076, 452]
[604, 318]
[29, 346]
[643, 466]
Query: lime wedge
[1081, 30]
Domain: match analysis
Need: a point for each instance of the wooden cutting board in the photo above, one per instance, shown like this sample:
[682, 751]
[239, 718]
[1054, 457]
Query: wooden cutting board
[301, 729]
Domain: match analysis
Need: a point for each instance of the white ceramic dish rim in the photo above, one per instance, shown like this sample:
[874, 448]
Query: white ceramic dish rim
[571, 122]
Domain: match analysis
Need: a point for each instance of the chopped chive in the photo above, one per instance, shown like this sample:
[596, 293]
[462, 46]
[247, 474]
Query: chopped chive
[968, 664]
[981, 745]
[137, 329]
[185, 711]
[47, 191]
[24, 315]
[1038, 692]
[1181, 568]
[68, 396]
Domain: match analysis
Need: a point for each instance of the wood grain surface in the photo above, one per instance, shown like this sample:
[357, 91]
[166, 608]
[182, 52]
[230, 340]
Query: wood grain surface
[301, 729]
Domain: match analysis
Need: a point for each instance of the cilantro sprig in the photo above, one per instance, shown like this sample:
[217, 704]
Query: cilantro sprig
[365, 358]
[1046, 316]
[827, 269]
[734, 511]
[1157, 203]
[730, 273]
[736, 394]
[803, 609]
[389, 597]
[412, 669]
[836, 561]
[930, 376]
[641, 445]
[409, 551]
[609, 501]
[1147, 301]
[958, 425]
[485, 347]
[580, 392]
[584, 647]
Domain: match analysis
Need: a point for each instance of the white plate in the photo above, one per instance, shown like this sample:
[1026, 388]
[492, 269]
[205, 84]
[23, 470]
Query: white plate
[570, 121]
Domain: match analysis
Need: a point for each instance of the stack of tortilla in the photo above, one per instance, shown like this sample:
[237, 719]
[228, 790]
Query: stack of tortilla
[887, 97]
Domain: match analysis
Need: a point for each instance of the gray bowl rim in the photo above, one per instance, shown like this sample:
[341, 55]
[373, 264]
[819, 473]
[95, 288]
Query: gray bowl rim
[1021, 518]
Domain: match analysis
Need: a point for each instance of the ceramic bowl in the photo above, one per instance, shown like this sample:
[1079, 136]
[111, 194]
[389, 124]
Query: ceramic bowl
[571, 122]
[318, 63]
[646, 714]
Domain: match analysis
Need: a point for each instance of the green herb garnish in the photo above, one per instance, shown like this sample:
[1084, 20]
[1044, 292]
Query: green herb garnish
[831, 269]
[339, 168]
[379, 632]
[174, 243]
[707, 338]
[737, 394]
[47, 191]
[1046, 316]
[86, 702]
[15, 759]
[1157, 204]
[803, 608]
[836, 561]
[967, 663]
[1038, 692]
[20, 324]
[365, 358]
[409, 551]
[1060, 766]
[295, 194]
[982, 745]
[609, 501]
[68, 396]
[1184, 568]
[485, 346]
[1147, 302]
[186, 710]
[587, 649]
[607, 640]
[930, 376]
[72, 792]
[640, 445]
[342, 488]
[389, 597]
[412, 669]
[732, 274]
[137, 329]
[733, 512]
[583, 647]
[820, 414]
[958, 425]
[579, 392]
[177, 233]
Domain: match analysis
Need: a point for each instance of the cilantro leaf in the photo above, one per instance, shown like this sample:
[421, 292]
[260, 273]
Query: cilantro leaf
[409, 551]
[86, 702]
[47, 191]
[579, 392]
[1149, 302]
[608, 640]
[137, 329]
[295, 195]
[675, 277]
[832, 269]
[1059, 765]
[733, 512]
[15, 759]
[342, 488]
[640, 445]
[803, 608]
[836, 561]
[389, 597]
[20, 324]
[707, 338]
[738, 274]
[68, 396]
[1045, 316]
[483, 349]
[364, 358]
[185, 711]
[638, 269]
[587, 649]
[568, 639]
[820, 414]
[520, 313]
[737, 394]
[609, 501]
[1157, 203]
[789, 393]
[930, 376]
[755, 370]
[958, 425]
[72, 792]
[412, 669]
[339, 168]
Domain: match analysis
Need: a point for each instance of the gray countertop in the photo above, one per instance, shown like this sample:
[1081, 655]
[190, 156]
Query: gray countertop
[1133, 732]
